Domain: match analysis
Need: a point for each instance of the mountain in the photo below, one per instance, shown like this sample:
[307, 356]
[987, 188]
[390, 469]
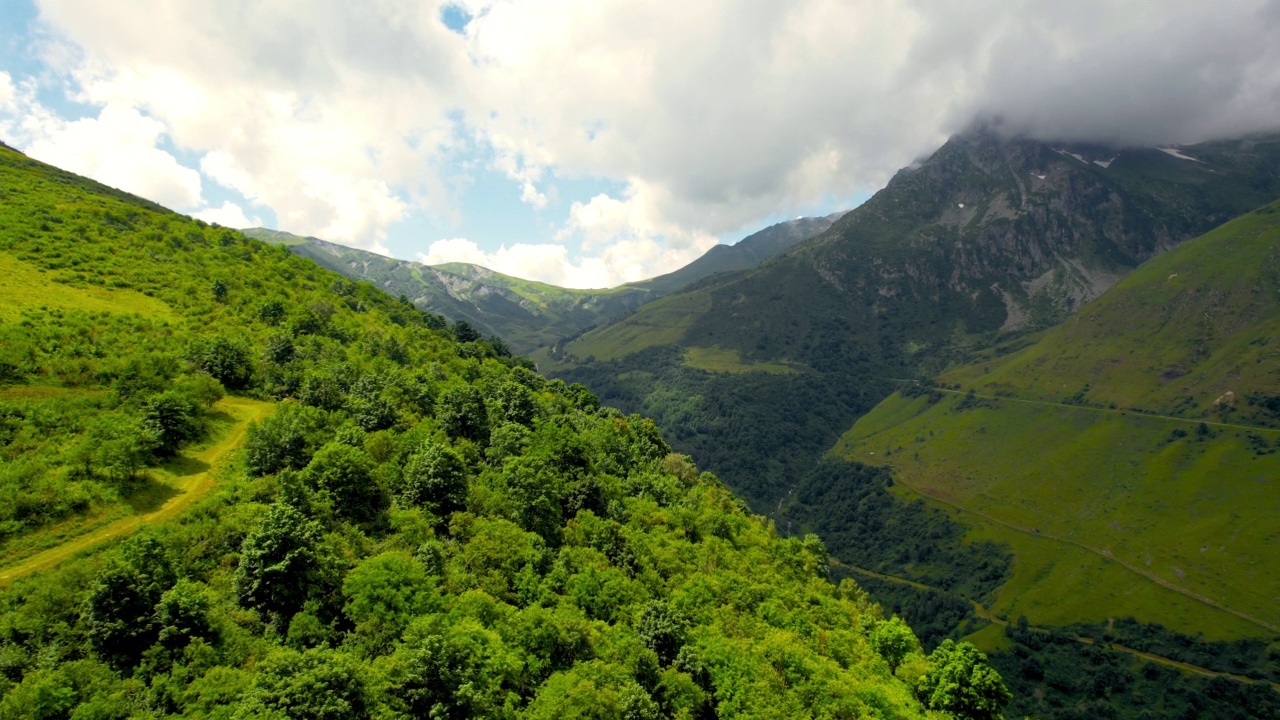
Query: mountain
[236, 484]
[746, 253]
[526, 314]
[1127, 458]
[757, 374]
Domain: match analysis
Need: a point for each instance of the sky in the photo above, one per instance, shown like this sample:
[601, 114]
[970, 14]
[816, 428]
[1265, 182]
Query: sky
[591, 143]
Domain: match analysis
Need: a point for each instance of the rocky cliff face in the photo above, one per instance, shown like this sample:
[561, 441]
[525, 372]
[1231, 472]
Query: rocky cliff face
[1043, 227]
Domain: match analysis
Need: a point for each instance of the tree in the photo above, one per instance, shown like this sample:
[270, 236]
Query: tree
[200, 389]
[663, 631]
[434, 478]
[893, 641]
[279, 349]
[345, 474]
[284, 440]
[463, 332]
[322, 389]
[168, 420]
[959, 681]
[593, 690]
[462, 412]
[368, 406]
[183, 615]
[515, 403]
[226, 361]
[271, 312]
[318, 684]
[500, 347]
[120, 613]
[385, 592]
[219, 289]
[453, 669]
[116, 448]
[279, 562]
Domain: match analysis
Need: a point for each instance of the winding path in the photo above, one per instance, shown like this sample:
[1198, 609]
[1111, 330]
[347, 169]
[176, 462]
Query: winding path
[1116, 411]
[190, 488]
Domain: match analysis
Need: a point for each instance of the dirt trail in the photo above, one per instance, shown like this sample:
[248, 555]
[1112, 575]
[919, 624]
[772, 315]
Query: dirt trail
[190, 488]
[1090, 408]
[987, 615]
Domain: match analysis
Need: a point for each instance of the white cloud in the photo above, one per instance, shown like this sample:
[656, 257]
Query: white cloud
[344, 118]
[229, 215]
[7, 91]
[117, 148]
[332, 115]
[621, 262]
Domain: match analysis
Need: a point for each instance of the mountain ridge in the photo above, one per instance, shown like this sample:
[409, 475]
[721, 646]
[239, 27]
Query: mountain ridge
[528, 314]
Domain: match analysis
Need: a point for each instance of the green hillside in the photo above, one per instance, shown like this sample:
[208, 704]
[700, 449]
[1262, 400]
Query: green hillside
[238, 485]
[1128, 458]
[1112, 436]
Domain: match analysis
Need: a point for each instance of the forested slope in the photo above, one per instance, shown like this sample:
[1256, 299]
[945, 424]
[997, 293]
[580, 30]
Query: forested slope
[421, 527]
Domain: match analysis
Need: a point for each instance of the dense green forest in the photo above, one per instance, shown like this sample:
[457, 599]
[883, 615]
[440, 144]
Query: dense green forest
[395, 517]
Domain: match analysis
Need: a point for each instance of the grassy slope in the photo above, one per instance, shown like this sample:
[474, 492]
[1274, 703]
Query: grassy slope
[1112, 512]
[1173, 336]
[88, 271]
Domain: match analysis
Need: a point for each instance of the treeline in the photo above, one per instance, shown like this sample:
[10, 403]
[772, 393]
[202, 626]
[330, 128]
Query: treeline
[1255, 658]
[1055, 677]
[863, 523]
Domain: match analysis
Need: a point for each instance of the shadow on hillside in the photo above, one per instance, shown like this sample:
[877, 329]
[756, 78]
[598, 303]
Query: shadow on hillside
[150, 494]
[183, 466]
[221, 418]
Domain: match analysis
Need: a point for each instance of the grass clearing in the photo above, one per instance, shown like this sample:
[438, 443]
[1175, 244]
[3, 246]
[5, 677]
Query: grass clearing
[27, 286]
[175, 486]
[728, 360]
[664, 322]
[1081, 493]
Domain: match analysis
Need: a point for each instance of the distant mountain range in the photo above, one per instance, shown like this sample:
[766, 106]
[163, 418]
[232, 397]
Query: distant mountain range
[530, 315]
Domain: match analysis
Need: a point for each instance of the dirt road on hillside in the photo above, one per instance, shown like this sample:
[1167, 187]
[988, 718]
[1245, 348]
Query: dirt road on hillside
[190, 488]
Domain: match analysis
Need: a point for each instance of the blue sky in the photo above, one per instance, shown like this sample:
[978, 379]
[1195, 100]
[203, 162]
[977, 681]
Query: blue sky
[590, 145]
